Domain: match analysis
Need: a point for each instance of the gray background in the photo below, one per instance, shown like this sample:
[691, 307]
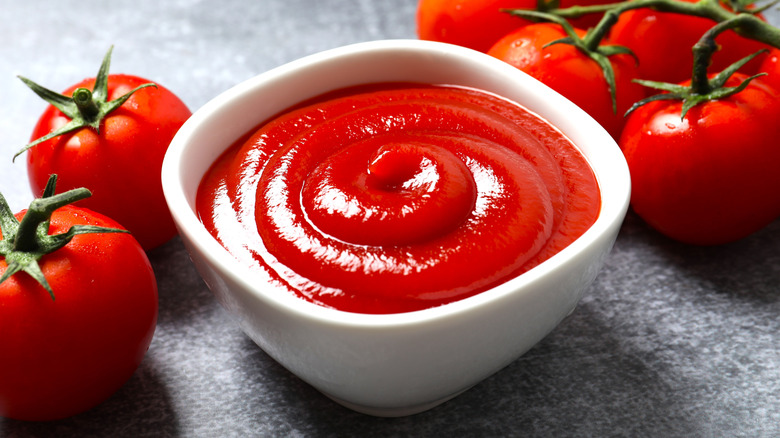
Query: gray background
[669, 341]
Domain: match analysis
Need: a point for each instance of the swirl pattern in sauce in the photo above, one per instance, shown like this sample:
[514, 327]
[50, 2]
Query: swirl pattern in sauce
[398, 197]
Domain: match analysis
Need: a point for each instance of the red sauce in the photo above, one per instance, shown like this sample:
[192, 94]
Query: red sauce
[389, 198]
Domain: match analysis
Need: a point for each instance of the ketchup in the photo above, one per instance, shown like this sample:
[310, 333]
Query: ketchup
[398, 197]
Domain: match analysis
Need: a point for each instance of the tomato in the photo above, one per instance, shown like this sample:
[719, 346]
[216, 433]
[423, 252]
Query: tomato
[65, 355]
[663, 40]
[121, 164]
[771, 66]
[711, 177]
[478, 24]
[567, 70]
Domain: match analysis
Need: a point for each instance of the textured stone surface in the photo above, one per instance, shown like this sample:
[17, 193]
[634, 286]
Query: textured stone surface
[669, 341]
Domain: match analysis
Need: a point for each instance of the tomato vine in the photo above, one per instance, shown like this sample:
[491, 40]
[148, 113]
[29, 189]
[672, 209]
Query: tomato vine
[702, 88]
[736, 16]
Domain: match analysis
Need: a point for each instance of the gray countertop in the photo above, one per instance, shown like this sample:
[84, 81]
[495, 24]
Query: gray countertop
[670, 340]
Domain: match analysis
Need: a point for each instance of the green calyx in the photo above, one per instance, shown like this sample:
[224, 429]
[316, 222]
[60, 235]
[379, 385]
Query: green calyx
[590, 44]
[85, 108]
[703, 88]
[24, 243]
[689, 95]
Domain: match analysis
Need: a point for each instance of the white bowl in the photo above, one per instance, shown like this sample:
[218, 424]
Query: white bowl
[396, 364]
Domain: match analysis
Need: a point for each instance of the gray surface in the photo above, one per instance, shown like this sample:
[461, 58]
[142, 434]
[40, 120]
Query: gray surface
[670, 340]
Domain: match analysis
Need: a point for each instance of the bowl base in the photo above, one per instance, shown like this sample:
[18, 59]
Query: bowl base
[400, 411]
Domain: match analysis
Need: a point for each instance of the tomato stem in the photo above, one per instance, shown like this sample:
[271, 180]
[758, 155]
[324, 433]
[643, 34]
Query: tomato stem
[25, 242]
[88, 108]
[595, 35]
[739, 19]
[38, 214]
[85, 108]
[590, 44]
[702, 89]
[750, 27]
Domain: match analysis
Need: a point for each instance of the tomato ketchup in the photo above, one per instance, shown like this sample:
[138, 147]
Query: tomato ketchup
[398, 197]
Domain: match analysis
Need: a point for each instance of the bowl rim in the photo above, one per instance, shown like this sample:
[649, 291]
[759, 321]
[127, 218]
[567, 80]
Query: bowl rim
[208, 247]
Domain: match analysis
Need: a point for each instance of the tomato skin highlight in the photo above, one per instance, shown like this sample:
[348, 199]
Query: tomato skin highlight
[321, 199]
[712, 177]
[121, 165]
[62, 357]
[663, 40]
[478, 24]
[568, 71]
[771, 66]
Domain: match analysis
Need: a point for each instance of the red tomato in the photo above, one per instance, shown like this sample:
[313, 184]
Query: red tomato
[663, 40]
[710, 178]
[478, 24]
[64, 356]
[771, 66]
[121, 165]
[570, 72]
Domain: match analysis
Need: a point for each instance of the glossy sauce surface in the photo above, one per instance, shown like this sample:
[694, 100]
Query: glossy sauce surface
[398, 197]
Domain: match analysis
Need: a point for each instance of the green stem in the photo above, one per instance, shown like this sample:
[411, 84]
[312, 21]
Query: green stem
[39, 212]
[87, 106]
[594, 37]
[750, 26]
[702, 55]
[24, 243]
[702, 8]
[706, 47]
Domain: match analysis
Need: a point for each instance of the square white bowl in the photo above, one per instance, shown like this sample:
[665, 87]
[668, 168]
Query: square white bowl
[396, 364]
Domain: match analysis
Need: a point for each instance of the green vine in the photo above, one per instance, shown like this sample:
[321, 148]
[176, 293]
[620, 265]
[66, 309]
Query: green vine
[750, 26]
[703, 88]
[738, 16]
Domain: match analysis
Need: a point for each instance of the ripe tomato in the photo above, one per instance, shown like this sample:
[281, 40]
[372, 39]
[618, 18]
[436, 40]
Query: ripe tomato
[65, 355]
[771, 66]
[570, 72]
[478, 24]
[121, 164]
[663, 40]
[710, 178]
